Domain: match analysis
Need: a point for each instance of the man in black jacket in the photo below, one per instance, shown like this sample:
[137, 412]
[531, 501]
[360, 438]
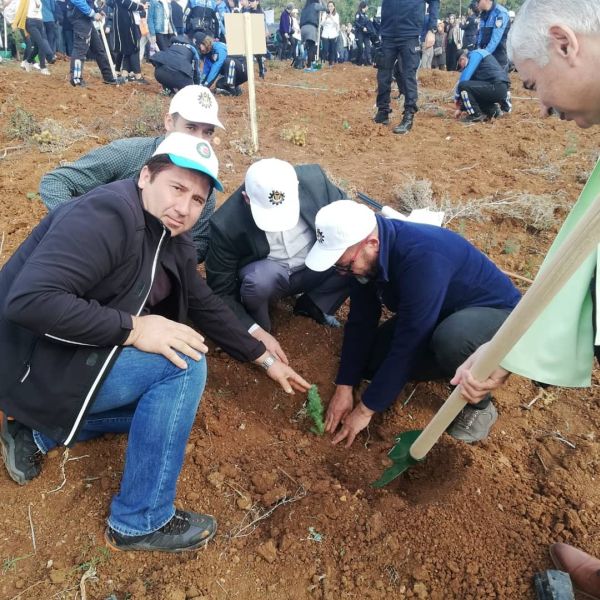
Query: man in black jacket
[259, 239]
[92, 339]
[402, 24]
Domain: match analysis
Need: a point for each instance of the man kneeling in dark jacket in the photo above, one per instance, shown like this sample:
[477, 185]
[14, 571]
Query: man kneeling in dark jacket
[92, 339]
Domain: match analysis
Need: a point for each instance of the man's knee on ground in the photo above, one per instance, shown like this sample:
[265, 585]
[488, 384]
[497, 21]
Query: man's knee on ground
[261, 285]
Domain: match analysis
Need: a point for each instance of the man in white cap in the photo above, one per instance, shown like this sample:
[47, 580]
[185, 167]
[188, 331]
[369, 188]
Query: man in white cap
[193, 110]
[448, 298]
[260, 237]
[102, 289]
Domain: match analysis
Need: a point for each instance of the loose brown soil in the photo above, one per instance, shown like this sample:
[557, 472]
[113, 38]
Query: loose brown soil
[469, 523]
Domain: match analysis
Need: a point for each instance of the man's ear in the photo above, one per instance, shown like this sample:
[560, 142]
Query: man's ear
[373, 244]
[144, 177]
[169, 123]
[564, 42]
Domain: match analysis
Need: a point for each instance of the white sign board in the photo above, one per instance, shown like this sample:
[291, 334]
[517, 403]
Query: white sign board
[236, 34]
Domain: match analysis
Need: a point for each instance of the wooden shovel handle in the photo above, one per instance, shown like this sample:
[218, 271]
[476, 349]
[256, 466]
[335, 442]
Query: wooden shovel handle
[577, 247]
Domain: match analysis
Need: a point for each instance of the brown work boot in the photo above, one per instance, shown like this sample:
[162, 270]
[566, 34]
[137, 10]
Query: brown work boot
[583, 569]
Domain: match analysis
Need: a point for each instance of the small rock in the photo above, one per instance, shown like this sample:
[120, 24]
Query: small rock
[216, 479]
[244, 502]
[268, 551]
[58, 575]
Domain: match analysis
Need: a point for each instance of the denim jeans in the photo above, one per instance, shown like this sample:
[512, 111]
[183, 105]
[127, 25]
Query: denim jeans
[156, 402]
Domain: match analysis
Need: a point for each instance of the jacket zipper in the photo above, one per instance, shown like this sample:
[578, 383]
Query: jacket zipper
[91, 391]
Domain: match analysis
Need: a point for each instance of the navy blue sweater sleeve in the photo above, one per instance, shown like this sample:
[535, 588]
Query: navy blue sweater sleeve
[434, 11]
[77, 253]
[359, 332]
[421, 290]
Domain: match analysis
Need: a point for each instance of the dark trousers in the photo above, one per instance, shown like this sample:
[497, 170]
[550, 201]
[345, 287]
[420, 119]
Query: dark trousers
[311, 52]
[452, 342]
[363, 48]
[330, 50]
[163, 40]
[171, 79]
[50, 28]
[86, 38]
[407, 53]
[265, 281]
[129, 62]
[480, 96]
[37, 33]
[233, 73]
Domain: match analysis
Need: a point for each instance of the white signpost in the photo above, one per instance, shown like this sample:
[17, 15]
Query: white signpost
[246, 37]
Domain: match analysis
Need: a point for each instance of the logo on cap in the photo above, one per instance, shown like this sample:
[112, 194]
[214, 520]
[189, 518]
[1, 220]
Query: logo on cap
[320, 237]
[203, 150]
[276, 198]
[205, 99]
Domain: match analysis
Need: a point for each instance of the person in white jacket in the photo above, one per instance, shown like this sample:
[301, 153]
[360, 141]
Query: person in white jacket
[330, 32]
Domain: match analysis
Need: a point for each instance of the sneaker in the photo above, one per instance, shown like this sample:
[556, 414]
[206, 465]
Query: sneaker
[494, 113]
[45, 71]
[78, 83]
[382, 117]
[25, 65]
[185, 531]
[472, 425]
[36, 66]
[21, 455]
[116, 81]
[405, 125]
[237, 91]
[506, 104]
[139, 80]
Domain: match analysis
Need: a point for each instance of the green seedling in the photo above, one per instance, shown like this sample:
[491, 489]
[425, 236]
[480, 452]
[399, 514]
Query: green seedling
[314, 408]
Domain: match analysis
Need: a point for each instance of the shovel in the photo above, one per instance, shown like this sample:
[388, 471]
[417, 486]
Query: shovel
[412, 446]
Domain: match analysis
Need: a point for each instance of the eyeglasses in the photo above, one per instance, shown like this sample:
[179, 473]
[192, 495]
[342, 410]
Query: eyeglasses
[342, 269]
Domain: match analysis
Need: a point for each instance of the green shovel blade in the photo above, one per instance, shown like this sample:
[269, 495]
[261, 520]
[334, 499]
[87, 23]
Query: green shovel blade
[400, 455]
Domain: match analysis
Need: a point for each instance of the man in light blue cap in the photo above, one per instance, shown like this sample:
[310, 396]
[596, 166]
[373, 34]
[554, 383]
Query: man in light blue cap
[93, 339]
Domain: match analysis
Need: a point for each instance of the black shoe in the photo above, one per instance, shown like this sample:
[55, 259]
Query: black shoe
[476, 118]
[406, 124]
[78, 83]
[141, 80]
[305, 307]
[226, 90]
[21, 455]
[506, 104]
[382, 117]
[185, 531]
[116, 81]
[237, 91]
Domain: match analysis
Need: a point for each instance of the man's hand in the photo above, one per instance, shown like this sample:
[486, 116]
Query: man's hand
[429, 40]
[155, 334]
[473, 390]
[340, 405]
[284, 375]
[271, 344]
[353, 424]
[98, 16]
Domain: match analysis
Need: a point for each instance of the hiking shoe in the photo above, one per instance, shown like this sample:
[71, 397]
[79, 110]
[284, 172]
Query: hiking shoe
[405, 125]
[382, 117]
[506, 104]
[45, 71]
[472, 425]
[21, 455]
[185, 531]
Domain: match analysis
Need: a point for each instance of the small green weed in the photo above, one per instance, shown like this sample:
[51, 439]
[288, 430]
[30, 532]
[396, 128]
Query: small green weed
[10, 563]
[511, 247]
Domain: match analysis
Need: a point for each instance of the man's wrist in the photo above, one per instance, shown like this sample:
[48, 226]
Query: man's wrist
[365, 409]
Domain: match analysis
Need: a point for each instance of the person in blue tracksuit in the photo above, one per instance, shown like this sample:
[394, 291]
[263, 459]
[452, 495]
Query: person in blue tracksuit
[483, 85]
[493, 30]
[178, 65]
[447, 297]
[225, 72]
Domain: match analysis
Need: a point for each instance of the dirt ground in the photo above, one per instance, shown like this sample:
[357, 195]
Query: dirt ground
[471, 522]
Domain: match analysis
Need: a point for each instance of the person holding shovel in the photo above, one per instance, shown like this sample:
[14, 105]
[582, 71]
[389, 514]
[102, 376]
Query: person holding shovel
[555, 45]
[93, 339]
[447, 296]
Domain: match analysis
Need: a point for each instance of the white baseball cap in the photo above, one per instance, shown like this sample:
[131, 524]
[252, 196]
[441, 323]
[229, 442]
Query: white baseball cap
[196, 103]
[189, 152]
[272, 187]
[338, 226]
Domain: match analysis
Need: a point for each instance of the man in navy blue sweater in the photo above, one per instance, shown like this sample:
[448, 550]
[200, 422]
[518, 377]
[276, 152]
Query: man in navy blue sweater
[447, 296]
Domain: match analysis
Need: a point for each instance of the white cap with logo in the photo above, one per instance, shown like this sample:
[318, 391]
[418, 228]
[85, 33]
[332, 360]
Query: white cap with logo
[272, 188]
[339, 225]
[189, 152]
[196, 103]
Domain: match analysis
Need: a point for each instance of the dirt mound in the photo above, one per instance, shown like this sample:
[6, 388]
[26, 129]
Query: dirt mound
[298, 518]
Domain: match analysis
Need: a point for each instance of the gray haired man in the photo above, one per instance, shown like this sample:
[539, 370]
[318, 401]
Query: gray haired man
[555, 46]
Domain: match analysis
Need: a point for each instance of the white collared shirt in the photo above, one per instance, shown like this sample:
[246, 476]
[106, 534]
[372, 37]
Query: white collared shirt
[291, 247]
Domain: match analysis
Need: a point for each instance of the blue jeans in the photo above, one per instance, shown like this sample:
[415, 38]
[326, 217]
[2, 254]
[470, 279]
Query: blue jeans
[156, 402]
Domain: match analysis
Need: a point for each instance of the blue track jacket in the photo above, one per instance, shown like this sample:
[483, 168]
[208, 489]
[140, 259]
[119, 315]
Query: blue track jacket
[213, 63]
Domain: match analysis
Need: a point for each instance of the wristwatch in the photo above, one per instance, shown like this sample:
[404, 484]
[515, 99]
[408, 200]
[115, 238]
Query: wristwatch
[268, 362]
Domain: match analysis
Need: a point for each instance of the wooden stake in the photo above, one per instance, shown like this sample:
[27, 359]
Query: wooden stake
[251, 86]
